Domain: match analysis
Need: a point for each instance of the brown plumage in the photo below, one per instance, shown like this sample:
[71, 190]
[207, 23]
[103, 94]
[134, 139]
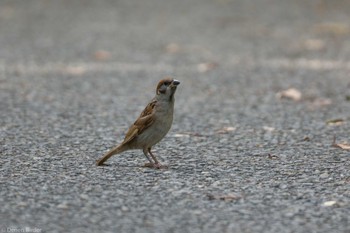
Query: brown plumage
[152, 125]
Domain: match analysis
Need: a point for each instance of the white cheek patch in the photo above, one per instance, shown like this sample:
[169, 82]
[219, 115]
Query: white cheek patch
[162, 89]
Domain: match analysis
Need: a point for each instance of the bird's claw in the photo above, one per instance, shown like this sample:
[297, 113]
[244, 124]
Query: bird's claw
[155, 165]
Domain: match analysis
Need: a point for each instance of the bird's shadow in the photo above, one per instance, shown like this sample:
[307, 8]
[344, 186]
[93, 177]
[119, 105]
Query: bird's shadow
[129, 166]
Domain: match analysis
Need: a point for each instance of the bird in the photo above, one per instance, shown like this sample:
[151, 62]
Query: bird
[151, 126]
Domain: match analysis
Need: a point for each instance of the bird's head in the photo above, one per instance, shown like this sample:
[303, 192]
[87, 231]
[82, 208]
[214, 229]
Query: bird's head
[166, 88]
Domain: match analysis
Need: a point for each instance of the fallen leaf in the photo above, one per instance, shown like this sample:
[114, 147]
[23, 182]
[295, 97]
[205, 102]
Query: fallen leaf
[347, 98]
[172, 48]
[270, 156]
[230, 197]
[314, 44]
[268, 128]
[6, 12]
[226, 130]
[290, 93]
[102, 55]
[205, 67]
[22, 204]
[180, 135]
[62, 205]
[343, 146]
[227, 197]
[337, 121]
[320, 102]
[332, 28]
[75, 70]
[329, 203]
[188, 134]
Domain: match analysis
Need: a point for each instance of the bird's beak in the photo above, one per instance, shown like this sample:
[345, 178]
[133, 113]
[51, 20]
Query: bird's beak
[175, 82]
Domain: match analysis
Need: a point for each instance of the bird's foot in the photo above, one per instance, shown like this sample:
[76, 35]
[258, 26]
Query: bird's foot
[148, 165]
[160, 166]
[155, 165]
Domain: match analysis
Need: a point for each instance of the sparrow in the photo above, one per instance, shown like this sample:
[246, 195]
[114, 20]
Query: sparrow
[152, 125]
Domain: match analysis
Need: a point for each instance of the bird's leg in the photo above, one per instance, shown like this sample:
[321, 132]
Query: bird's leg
[157, 164]
[150, 164]
[153, 157]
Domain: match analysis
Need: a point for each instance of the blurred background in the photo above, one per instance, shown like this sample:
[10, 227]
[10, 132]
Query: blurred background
[104, 56]
[168, 34]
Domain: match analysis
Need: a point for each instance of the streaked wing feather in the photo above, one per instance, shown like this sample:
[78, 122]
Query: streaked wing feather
[132, 132]
[143, 122]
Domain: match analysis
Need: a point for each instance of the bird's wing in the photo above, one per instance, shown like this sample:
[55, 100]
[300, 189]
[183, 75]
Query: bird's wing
[144, 121]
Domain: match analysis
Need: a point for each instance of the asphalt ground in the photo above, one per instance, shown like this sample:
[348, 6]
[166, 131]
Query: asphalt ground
[243, 155]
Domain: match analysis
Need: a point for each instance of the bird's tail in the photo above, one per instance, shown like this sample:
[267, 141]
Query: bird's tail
[113, 151]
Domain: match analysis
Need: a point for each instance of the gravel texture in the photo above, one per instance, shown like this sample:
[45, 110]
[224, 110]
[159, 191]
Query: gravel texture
[75, 74]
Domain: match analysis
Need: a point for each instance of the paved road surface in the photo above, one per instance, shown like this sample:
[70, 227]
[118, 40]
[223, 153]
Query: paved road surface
[75, 74]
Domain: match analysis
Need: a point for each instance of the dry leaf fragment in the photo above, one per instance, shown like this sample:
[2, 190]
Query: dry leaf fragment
[329, 203]
[75, 70]
[270, 156]
[228, 197]
[314, 44]
[332, 28]
[204, 67]
[268, 128]
[337, 121]
[320, 102]
[343, 146]
[180, 135]
[290, 93]
[188, 134]
[226, 130]
[172, 48]
[63, 205]
[102, 55]
[6, 12]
